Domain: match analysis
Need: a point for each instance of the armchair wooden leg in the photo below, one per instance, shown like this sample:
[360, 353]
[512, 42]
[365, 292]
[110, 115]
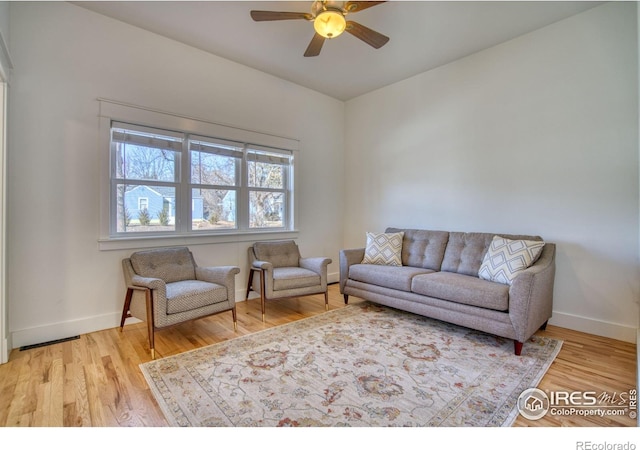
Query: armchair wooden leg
[346, 299]
[262, 294]
[326, 300]
[150, 324]
[235, 319]
[125, 308]
[249, 285]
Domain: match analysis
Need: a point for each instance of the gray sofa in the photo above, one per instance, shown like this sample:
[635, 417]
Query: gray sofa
[439, 278]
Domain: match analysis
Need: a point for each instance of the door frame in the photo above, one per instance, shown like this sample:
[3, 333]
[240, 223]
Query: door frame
[5, 72]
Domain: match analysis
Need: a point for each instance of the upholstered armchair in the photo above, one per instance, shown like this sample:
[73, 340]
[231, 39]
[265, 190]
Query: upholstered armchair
[166, 287]
[283, 273]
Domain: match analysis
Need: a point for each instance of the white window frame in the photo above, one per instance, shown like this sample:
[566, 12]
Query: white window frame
[113, 111]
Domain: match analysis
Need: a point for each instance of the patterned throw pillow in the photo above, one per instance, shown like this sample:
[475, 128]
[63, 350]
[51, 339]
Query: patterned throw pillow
[505, 258]
[384, 249]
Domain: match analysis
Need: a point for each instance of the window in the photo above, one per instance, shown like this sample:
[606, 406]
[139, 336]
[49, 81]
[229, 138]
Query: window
[167, 183]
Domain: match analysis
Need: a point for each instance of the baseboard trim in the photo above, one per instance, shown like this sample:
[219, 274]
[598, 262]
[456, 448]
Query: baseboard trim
[4, 351]
[593, 326]
[61, 330]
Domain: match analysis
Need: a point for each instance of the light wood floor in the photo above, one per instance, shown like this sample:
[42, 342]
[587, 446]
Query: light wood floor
[95, 381]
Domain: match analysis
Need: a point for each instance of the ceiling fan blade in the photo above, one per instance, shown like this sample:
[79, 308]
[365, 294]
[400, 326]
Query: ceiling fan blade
[352, 7]
[373, 38]
[314, 46]
[260, 16]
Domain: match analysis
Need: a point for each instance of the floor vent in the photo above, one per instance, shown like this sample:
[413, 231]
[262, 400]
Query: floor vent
[44, 344]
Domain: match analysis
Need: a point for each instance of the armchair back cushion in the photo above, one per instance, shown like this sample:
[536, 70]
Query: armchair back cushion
[278, 253]
[170, 265]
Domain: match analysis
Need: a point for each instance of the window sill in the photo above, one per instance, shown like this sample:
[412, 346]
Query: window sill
[136, 242]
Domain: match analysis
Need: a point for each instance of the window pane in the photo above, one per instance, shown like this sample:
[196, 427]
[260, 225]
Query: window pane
[145, 208]
[136, 162]
[266, 209]
[213, 209]
[266, 175]
[208, 168]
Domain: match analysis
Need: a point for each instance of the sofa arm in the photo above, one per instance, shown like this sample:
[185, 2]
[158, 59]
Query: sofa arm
[531, 295]
[348, 257]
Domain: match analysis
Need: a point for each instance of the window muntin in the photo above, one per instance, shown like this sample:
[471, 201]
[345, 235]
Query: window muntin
[195, 184]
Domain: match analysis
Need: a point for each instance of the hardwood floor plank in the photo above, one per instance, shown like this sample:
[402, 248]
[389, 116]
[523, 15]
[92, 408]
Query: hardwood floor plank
[95, 381]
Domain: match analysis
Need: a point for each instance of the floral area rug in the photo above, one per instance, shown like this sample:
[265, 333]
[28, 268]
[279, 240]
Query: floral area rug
[360, 366]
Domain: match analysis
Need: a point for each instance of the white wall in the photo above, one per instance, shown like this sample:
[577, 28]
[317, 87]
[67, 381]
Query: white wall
[66, 57]
[560, 105]
[534, 136]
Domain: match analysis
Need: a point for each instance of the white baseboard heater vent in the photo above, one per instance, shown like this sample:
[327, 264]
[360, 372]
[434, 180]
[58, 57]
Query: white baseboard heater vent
[44, 344]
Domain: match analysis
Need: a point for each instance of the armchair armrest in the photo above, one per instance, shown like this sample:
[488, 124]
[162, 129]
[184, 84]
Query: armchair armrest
[151, 283]
[316, 264]
[264, 265]
[348, 257]
[224, 275]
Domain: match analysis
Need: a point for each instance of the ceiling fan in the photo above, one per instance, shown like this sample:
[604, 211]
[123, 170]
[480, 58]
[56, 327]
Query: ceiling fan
[329, 21]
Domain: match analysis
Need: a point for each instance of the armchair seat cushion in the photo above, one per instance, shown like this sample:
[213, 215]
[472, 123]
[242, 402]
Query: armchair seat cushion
[293, 278]
[192, 294]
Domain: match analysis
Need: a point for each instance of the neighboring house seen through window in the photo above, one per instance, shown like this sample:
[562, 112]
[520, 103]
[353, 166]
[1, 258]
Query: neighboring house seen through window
[167, 182]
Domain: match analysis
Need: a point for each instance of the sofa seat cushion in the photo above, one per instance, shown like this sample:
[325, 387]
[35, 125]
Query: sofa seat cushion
[293, 278]
[192, 294]
[463, 289]
[393, 277]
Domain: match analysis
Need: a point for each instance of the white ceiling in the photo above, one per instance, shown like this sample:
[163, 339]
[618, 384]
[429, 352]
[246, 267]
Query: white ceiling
[423, 35]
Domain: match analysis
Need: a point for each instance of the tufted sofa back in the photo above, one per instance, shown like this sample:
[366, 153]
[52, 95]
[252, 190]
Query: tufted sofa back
[168, 264]
[448, 251]
[422, 248]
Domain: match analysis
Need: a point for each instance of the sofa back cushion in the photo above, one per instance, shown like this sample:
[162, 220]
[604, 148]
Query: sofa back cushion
[278, 253]
[168, 264]
[422, 248]
[465, 251]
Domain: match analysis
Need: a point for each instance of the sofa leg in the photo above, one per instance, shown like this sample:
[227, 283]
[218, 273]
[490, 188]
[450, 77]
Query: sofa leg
[544, 326]
[346, 299]
[517, 346]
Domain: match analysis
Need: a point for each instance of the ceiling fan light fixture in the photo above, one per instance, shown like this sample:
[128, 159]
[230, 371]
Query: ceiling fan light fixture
[329, 24]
